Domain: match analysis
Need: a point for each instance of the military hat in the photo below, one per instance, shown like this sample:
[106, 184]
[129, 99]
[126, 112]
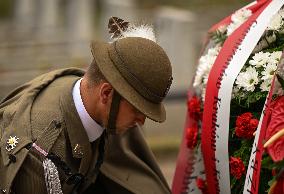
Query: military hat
[139, 70]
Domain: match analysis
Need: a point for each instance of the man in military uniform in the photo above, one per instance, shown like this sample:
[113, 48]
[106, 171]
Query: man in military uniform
[83, 128]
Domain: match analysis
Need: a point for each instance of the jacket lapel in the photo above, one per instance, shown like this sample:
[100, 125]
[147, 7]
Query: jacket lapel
[81, 147]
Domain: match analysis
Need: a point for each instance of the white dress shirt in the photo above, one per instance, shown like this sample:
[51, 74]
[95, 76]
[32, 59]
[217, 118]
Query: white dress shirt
[93, 129]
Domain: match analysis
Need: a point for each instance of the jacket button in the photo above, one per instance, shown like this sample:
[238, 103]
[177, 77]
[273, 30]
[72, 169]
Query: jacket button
[12, 158]
[57, 124]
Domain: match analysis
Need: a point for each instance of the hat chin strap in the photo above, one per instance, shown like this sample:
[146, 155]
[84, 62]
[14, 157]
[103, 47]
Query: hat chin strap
[109, 130]
[111, 125]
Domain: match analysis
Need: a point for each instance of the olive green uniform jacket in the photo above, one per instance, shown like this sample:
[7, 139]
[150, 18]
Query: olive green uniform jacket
[42, 111]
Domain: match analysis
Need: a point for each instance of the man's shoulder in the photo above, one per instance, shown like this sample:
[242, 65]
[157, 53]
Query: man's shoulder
[31, 114]
[37, 102]
[47, 106]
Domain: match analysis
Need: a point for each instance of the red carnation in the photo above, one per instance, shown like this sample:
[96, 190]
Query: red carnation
[202, 185]
[237, 167]
[246, 125]
[194, 108]
[253, 123]
[243, 119]
[191, 136]
[275, 150]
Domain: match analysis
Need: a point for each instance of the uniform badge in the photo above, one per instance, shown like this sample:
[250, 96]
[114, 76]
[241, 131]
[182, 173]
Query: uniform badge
[78, 150]
[12, 143]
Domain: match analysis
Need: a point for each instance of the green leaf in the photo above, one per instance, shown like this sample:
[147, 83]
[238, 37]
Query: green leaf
[218, 37]
[233, 182]
[267, 162]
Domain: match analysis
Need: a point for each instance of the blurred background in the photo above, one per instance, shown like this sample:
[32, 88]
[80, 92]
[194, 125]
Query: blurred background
[37, 36]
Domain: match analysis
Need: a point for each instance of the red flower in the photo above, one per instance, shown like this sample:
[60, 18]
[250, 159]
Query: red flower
[237, 167]
[202, 185]
[246, 125]
[194, 107]
[243, 119]
[191, 136]
[275, 150]
[253, 123]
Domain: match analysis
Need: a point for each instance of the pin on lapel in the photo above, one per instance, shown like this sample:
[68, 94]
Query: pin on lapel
[12, 143]
[78, 150]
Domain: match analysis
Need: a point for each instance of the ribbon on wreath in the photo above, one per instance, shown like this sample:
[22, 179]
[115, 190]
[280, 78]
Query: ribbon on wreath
[214, 137]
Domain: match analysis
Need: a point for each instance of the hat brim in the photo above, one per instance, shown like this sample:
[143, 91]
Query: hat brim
[153, 111]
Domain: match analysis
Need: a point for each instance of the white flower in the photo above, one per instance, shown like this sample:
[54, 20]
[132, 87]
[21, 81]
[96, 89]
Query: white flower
[238, 18]
[265, 85]
[248, 79]
[202, 69]
[275, 23]
[12, 142]
[205, 64]
[231, 28]
[260, 59]
[268, 72]
[275, 57]
[241, 15]
[213, 52]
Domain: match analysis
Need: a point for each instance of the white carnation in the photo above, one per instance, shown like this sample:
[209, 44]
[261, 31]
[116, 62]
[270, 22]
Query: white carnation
[248, 79]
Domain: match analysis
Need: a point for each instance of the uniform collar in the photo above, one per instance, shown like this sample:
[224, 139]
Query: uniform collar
[93, 129]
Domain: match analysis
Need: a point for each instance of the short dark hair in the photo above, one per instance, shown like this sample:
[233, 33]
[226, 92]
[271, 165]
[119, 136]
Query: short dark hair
[94, 74]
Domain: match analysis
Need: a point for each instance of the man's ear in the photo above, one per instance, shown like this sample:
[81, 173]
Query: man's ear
[106, 91]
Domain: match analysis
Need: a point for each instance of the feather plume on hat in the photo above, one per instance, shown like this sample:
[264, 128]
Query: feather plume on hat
[118, 28]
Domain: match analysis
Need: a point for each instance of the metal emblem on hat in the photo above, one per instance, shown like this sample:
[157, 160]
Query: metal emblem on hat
[78, 150]
[12, 143]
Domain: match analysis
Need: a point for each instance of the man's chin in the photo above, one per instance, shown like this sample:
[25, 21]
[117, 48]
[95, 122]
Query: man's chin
[120, 131]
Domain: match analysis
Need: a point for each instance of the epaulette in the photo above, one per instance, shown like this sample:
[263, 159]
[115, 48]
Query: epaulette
[15, 148]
